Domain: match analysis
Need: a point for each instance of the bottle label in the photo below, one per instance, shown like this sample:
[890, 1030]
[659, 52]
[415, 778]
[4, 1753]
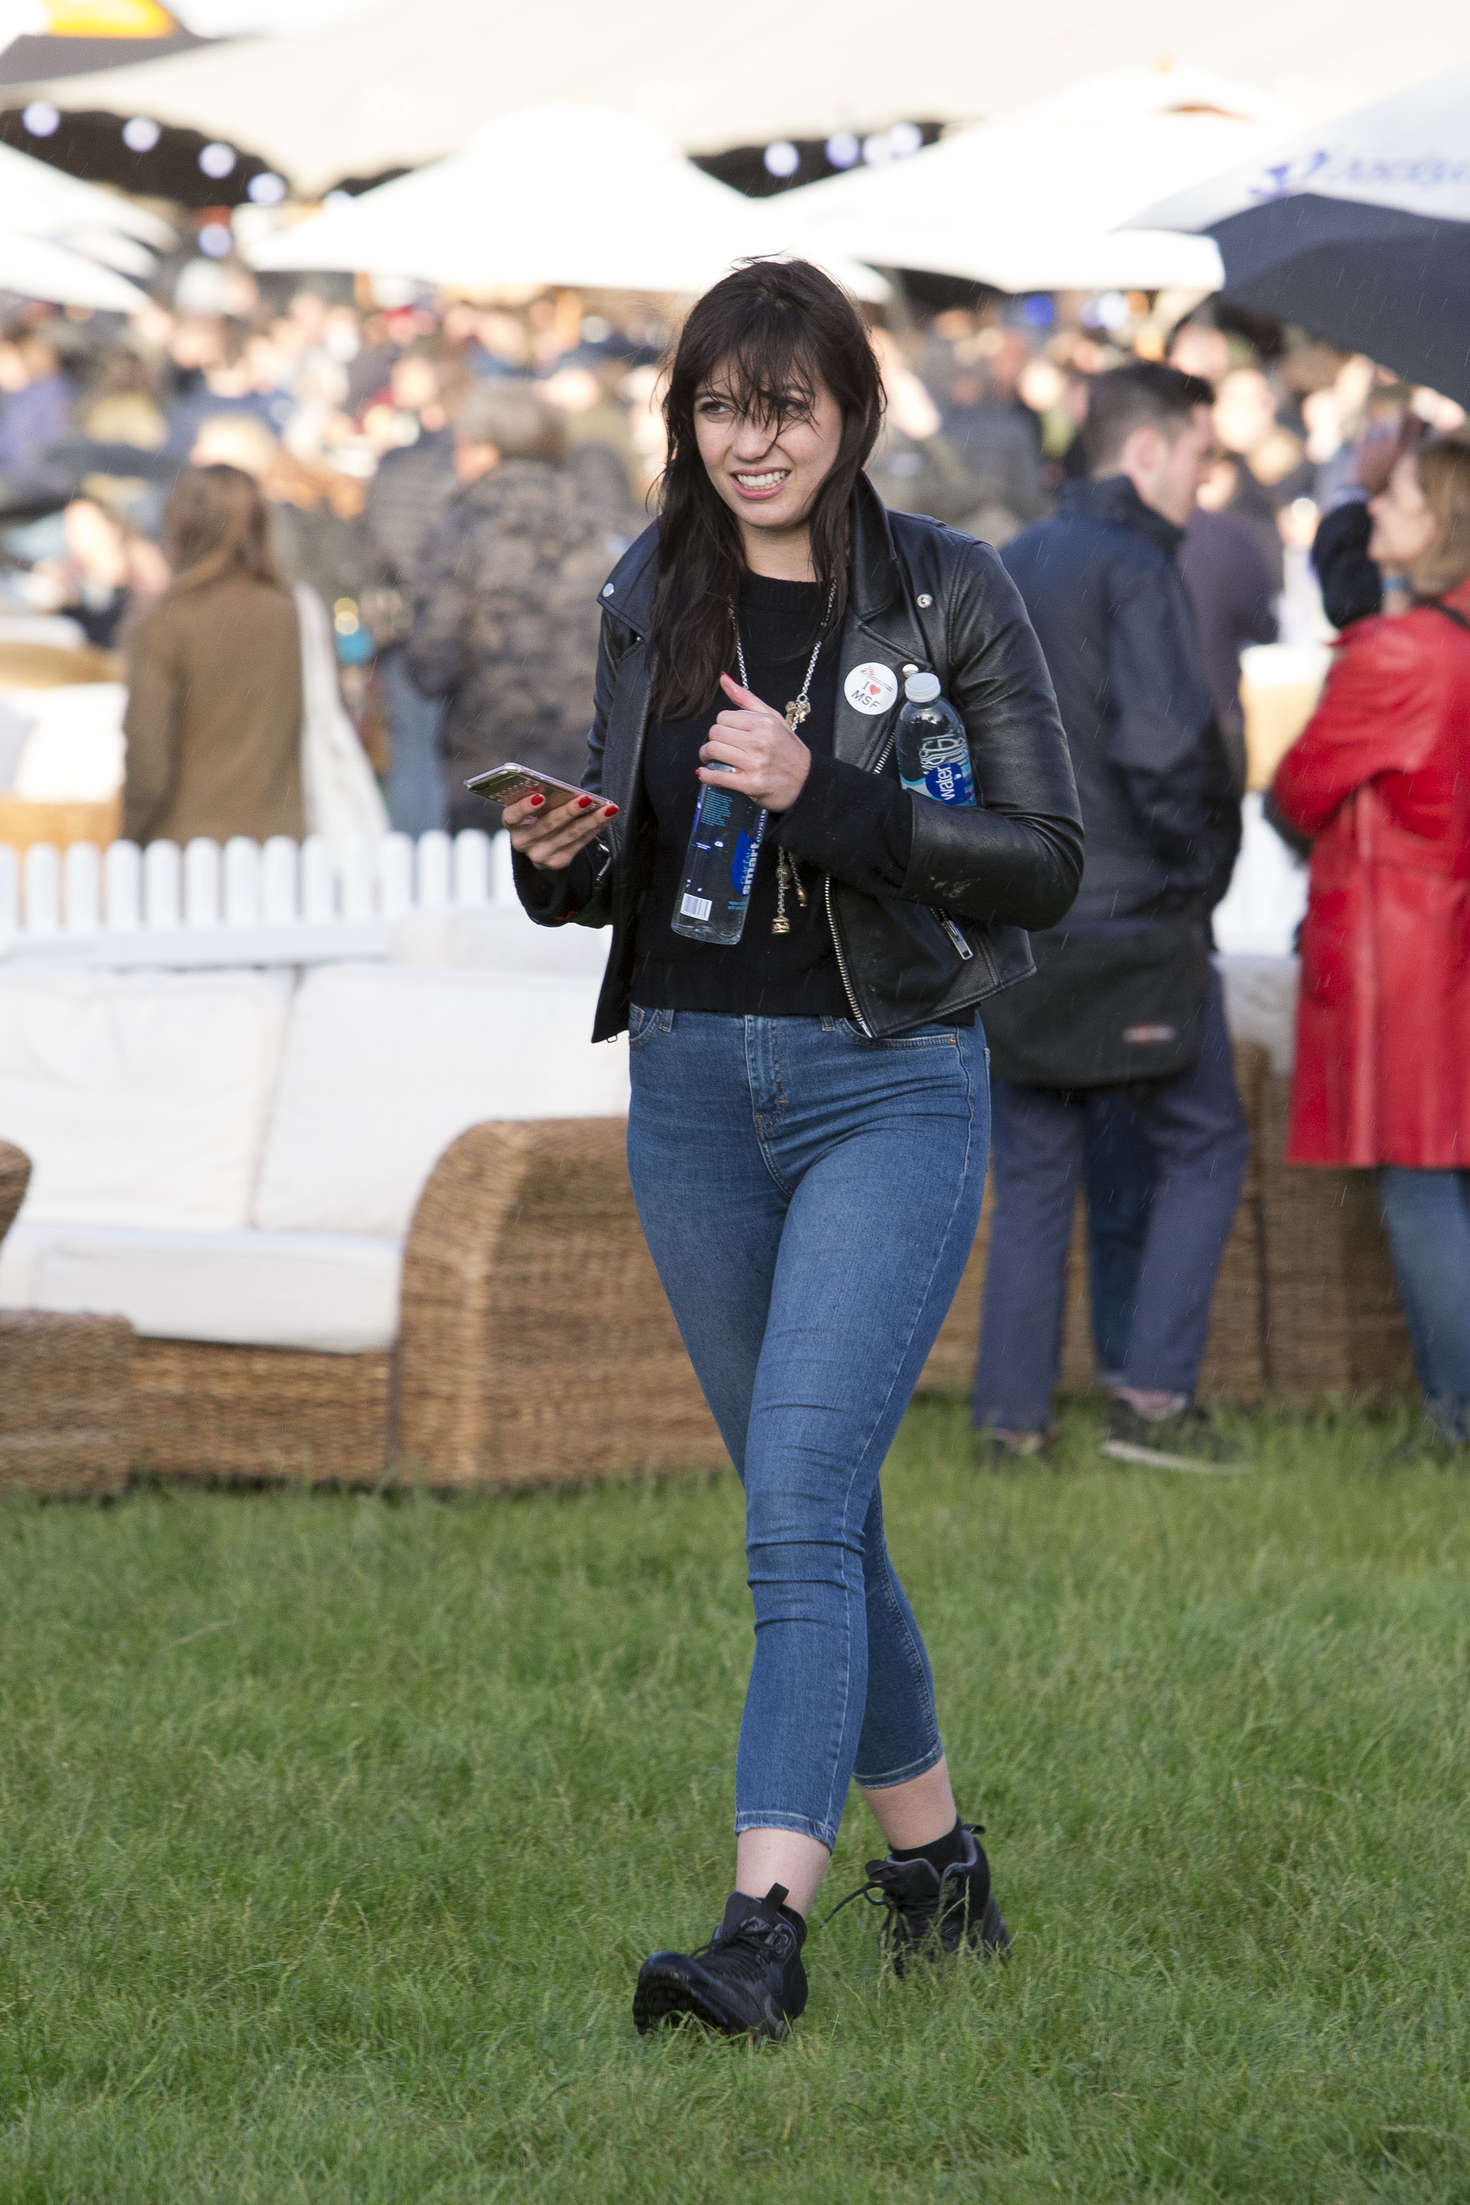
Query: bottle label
[742, 865]
[948, 781]
[934, 753]
[695, 907]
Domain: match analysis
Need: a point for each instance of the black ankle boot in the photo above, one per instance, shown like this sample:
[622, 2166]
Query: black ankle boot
[747, 1981]
[929, 1913]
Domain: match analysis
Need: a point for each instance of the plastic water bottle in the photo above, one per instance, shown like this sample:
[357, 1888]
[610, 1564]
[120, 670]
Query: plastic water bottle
[933, 748]
[719, 866]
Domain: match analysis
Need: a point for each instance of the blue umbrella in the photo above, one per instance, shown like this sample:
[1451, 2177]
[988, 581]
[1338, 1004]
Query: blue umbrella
[1359, 231]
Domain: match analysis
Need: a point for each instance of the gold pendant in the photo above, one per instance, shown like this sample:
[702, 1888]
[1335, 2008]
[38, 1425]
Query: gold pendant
[798, 710]
[780, 924]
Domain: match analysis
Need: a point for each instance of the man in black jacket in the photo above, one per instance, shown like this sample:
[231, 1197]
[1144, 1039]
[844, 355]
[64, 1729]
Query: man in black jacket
[1102, 585]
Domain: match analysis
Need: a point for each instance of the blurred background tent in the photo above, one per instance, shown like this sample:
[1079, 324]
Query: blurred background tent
[1359, 230]
[394, 83]
[35, 268]
[661, 224]
[44, 38]
[39, 201]
[1030, 202]
[70, 243]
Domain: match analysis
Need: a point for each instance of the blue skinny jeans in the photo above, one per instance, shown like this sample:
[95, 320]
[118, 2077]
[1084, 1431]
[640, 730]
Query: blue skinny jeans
[1427, 1214]
[810, 1199]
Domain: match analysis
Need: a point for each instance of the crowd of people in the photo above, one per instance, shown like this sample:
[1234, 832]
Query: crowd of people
[448, 485]
[442, 517]
[447, 479]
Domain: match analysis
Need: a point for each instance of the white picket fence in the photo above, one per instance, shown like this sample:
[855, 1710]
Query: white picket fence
[278, 902]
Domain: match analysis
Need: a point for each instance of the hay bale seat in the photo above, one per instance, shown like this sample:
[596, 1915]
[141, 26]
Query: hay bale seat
[537, 1346]
[64, 1387]
[230, 1414]
[1334, 1322]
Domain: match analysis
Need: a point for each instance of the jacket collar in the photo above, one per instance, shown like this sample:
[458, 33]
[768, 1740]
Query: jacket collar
[1113, 498]
[628, 590]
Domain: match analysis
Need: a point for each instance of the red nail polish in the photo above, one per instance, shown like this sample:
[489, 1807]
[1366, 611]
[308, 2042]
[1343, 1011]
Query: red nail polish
[535, 800]
[584, 803]
[609, 811]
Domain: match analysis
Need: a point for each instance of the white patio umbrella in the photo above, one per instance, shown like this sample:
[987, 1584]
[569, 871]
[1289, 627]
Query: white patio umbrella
[559, 195]
[37, 268]
[37, 200]
[401, 82]
[1030, 203]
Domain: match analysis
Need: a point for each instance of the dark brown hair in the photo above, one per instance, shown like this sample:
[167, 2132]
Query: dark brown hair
[774, 332]
[217, 522]
[1443, 468]
[1141, 393]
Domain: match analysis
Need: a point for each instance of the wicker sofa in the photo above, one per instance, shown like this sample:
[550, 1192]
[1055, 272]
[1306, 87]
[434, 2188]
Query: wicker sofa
[511, 1215]
[494, 1317]
[243, 1167]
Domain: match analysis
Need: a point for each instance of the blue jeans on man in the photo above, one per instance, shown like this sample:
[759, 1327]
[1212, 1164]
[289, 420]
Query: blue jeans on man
[1196, 1132]
[414, 787]
[1118, 1176]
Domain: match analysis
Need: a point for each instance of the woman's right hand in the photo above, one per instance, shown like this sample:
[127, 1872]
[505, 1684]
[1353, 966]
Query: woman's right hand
[551, 839]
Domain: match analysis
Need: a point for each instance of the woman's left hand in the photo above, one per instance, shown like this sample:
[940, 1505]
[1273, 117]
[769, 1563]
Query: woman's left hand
[751, 749]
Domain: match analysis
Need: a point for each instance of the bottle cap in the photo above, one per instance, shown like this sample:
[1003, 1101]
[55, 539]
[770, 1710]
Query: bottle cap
[921, 688]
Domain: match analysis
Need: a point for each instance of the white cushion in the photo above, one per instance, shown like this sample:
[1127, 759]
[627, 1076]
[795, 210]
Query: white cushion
[385, 1065]
[498, 937]
[140, 1098]
[74, 749]
[1260, 1004]
[334, 1293]
[20, 1265]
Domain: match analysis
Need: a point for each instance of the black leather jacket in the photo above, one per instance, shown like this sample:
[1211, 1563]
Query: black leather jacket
[921, 596]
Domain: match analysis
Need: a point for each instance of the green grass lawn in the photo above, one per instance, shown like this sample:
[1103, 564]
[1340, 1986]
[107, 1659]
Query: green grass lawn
[335, 1828]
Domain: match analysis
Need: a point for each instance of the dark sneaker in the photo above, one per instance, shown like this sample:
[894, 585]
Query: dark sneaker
[748, 1981]
[1191, 1440]
[995, 1449]
[1429, 1447]
[928, 1914]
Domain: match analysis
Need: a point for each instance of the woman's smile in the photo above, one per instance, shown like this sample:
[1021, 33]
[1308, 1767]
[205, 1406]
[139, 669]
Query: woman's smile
[763, 483]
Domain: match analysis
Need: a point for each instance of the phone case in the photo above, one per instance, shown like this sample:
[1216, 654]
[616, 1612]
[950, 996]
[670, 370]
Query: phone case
[504, 784]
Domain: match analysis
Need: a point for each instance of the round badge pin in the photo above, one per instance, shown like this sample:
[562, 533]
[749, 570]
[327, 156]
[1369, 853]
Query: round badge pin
[871, 688]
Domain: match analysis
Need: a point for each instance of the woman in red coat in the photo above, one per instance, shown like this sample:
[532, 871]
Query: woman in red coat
[1380, 778]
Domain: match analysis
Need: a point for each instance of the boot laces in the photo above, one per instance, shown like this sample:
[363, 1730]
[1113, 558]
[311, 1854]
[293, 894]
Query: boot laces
[881, 1889]
[745, 1953]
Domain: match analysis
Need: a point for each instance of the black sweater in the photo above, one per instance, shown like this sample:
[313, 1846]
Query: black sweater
[764, 974]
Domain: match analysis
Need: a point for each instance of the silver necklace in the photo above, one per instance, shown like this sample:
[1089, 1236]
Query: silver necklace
[788, 873]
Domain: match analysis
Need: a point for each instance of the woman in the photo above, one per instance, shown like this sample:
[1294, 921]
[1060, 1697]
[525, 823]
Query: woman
[213, 722]
[1380, 778]
[809, 1116]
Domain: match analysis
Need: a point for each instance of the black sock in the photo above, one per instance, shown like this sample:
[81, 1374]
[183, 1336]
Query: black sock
[940, 1853]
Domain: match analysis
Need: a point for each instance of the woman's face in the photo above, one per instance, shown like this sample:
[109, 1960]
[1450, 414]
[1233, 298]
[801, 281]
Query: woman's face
[1403, 525]
[768, 476]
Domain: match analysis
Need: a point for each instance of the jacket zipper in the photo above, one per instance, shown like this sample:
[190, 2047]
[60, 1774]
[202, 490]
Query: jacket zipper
[962, 947]
[858, 1019]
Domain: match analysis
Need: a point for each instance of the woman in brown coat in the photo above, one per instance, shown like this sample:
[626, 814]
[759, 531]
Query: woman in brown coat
[214, 712]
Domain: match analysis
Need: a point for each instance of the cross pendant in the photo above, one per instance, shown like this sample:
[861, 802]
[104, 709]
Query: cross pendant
[798, 710]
